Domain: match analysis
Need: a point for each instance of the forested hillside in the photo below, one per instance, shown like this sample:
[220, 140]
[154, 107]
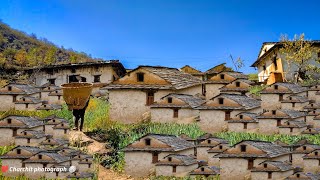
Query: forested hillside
[18, 50]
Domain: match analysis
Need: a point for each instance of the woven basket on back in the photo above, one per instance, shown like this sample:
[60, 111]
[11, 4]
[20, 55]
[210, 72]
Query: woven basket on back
[76, 95]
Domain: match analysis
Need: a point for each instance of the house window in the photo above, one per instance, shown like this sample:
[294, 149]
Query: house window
[241, 116]
[298, 175]
[89, 165]
[18, 151]
[57, 174]
[304, 148]
[278, 122]
[221, 76]
[96, 78]
[265, 165]
[9, 121]
[155, 157]
[170, 159]
[65, 131]
[264, 67]
[204, 91]
[293, 104]
[147, 142]
[280, 97]
[150, 98]
[273, 112]
[27, 106]
[175, 113]
[25, 133]
[237, 84]
[28, 140]
[209, 141]
[52, 82]
[291, 129]
[318, 54]
[243, 148]
[14, 98]
[220, 147]
[269, 175]
[220, 100]
[44, 165]
[276, 87]
[14, 132]
[202, 169]
[174, 169]
[9, 88]
[73, 70]
[169, 99]
[316, 153]
[245, 125]
[39, 156]
[275, 63]
[250, 163]
[227, 115]
[140, 77]
[23, 165]
[59, 97]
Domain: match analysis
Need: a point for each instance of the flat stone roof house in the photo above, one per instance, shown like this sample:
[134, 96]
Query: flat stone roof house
[30, 138]
[142, 155]
[295, 102]
[187, 138]
[205, 145]
[270, 120]
[11, 126]
[177, 108]
[215, 113]
[28, 103]
[50, 122]
[133, 94]
[238, 86]
[93, 72]
[49, 107]
[16, 156]
[219, 80]
[176, 165]
[311, 131]
[272, 96]
[313, 93]
[304, 176]
[213, 151]
[244, 122]
[311, 161]
[299, 152]
[53, 143]
[194, 72]
[292, 127]
[237, 162]
[272, 170]
[12, 92]
[206, 171]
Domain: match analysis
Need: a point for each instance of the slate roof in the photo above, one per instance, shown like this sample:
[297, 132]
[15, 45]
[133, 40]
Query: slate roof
[253, 117]
[191, 101]
[31, 149]
[204, 136]
[219, 140]
[56, 158]
[296, 99]
[271, 150]
[312, 146]
[311, 155]
[209, 170]
[317, 117]
[311, 131]
[186, 137]
[194, 70]
[69, 152]
[293, 124]
[185, 160]
[55, 141]
[310, 176]
[29, 100]
[49, 107]
[292, 88]
[279, 165]
[54, 117]
[312, 106]
[176, 79]
[245, 102]
[175, 143]
[225, 88]
[26, 89]
[57, 92]
[34, 134]
[237, 75]
[215, 70]
[29, 122]
[280, 143]
[218, 150]
[289, 114]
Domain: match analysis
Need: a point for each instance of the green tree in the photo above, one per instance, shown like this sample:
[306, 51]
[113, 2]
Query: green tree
[299, 52]
[21, 58]
[50, 55]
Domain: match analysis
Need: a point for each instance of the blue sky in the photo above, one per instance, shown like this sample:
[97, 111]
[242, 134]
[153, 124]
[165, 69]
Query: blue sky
[201, 33]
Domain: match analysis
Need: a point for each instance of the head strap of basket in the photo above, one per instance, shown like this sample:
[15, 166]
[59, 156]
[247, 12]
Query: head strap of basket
[76, 95]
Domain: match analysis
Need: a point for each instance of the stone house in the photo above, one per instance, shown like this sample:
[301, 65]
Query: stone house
[213, 151]
[269, 121]
[53, 143]
[187, 138]
[50, 122]
[176, 165]
[215, 113]
[177, 108]
[131, 96]
[86, 164]
[15, 158]
[28, 103]
[58, 174]
[92, 72]
[313, 93]
[295, 102]
[44, 159]
[299, 152]
[244, 122]
[303, 176]
[46, 89]
[55, 97]
[221, 79]
[292, 127]
[311, 161]
[11, 92]
[238, 86]
[284, 145]
[238, 161]
[48, 107]
[316, 120]
[311, 112]
[194, 72]
[311, 131]
[30, 138]
[61, 130]
[11, 126]
[142, 155]
[205, 171]
[272, 95]
[272, 170]
[205, 145]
